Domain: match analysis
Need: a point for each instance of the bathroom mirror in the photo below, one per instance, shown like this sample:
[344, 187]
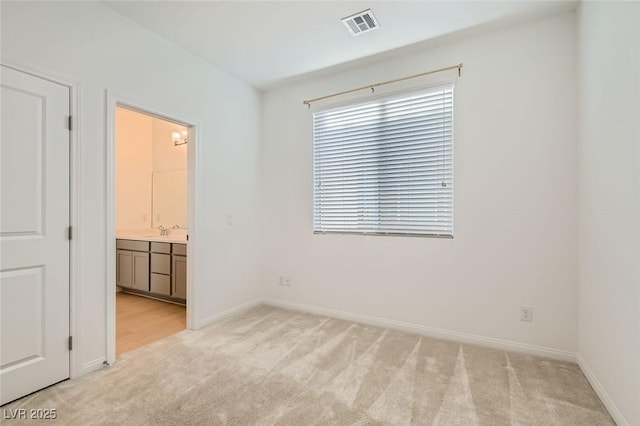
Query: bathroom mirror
[169, 204]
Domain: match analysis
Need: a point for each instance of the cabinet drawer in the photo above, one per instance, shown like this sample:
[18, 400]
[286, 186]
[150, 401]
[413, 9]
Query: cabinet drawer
[161, 263]
[180, 249]
[132, 245]
[161, 284]
[161, 247]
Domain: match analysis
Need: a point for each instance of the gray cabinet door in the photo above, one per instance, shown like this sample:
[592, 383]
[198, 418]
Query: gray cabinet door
[179, 278]
[140, 271]
[124, 268]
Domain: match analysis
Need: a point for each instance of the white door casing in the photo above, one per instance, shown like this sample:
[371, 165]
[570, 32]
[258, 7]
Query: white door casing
[34, 245]
[115, 100]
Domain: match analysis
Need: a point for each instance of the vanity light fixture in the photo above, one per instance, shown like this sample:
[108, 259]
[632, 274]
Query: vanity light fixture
[179, 138]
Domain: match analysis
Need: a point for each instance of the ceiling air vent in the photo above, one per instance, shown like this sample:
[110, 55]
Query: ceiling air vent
[361, 22]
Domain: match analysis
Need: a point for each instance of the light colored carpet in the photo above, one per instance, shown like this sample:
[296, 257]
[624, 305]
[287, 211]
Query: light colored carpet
[275, 366]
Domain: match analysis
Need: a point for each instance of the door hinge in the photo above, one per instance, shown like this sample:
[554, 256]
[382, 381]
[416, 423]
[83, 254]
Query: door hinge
[70, 342]
[70, 123]
[70, 232]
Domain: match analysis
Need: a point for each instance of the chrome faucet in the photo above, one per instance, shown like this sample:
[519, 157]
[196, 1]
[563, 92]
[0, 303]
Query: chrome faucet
[163, 231]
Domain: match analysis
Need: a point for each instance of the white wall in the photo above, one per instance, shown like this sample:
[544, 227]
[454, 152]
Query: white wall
[99, 49]
[134, 166]
[170, 198]
[515, 198]
[609, 203]
[144, 147]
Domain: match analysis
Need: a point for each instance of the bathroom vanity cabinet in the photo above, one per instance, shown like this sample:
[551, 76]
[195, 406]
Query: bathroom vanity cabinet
[157, 269]
[132, 264]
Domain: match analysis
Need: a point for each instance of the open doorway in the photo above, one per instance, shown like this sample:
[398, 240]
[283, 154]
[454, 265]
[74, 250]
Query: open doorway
[150, 211]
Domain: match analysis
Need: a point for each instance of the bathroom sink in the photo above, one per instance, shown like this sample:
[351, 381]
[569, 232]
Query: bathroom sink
[171, 238]
[174, 238]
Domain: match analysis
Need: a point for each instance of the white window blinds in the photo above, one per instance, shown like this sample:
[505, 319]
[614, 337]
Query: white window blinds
[386, 166]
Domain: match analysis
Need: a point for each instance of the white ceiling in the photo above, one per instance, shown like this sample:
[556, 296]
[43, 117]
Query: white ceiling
[266, 42]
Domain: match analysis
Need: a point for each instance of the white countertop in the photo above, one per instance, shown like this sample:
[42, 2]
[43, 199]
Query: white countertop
[178, 238]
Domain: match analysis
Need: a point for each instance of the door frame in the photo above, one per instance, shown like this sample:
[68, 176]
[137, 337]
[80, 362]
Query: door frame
[75, 314]
[113, 101]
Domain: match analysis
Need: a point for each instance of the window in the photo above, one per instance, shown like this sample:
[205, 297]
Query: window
[385, 166]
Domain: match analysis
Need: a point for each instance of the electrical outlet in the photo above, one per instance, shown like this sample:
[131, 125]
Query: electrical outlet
[284, 281]
[526, 314]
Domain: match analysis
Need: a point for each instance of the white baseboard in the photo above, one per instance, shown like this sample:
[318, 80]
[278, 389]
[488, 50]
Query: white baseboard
[94, 365]
[602, 393]
[227, 313]
[438, 333]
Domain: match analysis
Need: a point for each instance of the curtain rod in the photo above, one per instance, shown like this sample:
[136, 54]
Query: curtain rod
[374, 85]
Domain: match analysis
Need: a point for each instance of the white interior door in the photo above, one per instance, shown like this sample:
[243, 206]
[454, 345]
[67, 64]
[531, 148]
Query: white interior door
[34, 218]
